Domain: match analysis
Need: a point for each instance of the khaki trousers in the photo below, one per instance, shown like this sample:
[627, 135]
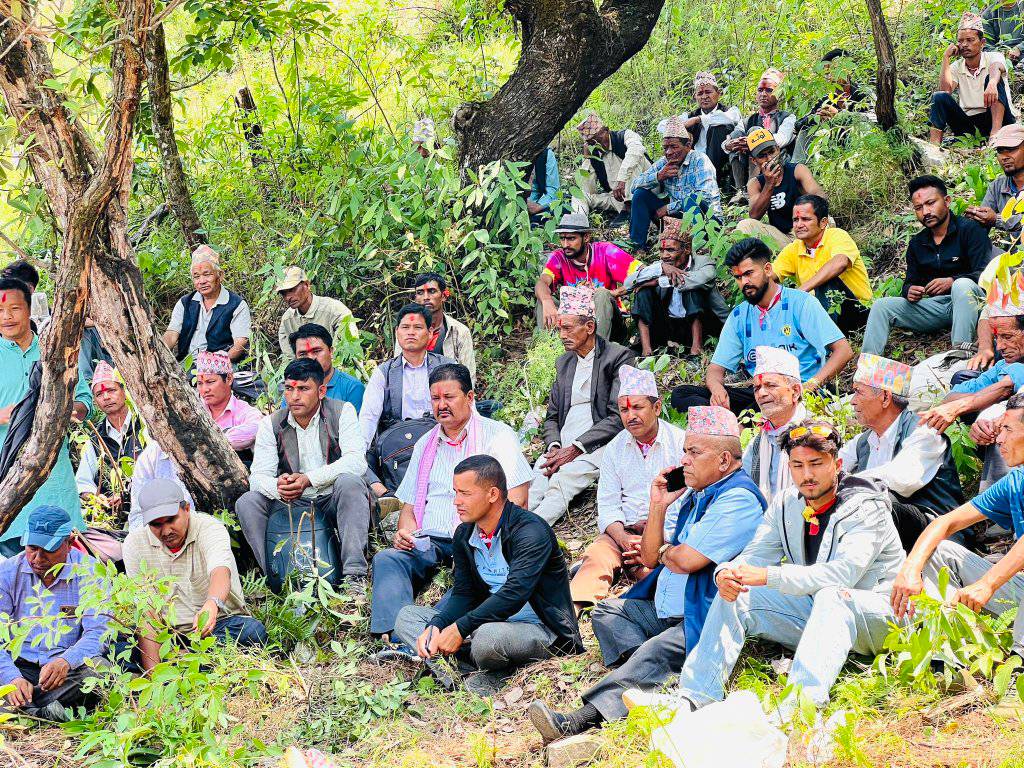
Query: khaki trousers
[601, 567]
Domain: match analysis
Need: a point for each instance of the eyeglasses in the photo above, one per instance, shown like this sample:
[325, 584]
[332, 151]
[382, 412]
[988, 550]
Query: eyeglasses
[817, 429]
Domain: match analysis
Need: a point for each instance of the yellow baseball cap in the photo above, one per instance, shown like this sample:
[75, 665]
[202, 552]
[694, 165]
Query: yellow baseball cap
[759, 141]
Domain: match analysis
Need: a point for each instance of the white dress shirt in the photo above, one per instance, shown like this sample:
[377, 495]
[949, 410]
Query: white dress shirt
[908, 471]
[624, 485]
[241, 320]
[493, 439]
[312, 462]
[415, 396]
[730, 117]
[580, 417]
[86, 477]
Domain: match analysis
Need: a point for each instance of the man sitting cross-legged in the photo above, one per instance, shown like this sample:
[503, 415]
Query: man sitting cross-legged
[816, 577]
[978, 583]
[195, 550]
[631, 461]
[43, 588]
[310, 453]
[779, 396]
[423, 542]
[650, 630]
[582, 411]
[914, 461]
[510, 598]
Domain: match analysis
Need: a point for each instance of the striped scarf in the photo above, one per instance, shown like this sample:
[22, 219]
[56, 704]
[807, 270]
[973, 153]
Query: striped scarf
[434, 438]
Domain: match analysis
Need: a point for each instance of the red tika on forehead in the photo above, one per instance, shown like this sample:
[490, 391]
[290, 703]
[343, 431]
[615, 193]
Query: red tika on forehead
[627, 403]
[105, 388]
[309, 346]
[3, 297]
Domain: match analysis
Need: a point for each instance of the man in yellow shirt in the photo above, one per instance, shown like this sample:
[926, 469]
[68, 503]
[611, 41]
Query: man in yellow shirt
[825, 261]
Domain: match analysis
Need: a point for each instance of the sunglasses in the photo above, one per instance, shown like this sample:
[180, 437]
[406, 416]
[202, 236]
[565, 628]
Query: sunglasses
[816, 429]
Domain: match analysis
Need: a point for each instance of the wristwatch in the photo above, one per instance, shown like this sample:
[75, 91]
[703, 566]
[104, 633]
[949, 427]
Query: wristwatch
[661, 552]
[221, 605]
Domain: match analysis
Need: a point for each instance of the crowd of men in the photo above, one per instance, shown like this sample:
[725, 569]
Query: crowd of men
[800, 537]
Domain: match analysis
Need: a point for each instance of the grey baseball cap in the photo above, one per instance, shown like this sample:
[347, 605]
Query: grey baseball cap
[160, 498]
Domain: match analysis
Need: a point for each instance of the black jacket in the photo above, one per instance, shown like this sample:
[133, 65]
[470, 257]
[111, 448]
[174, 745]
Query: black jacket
[536, 575]
[604, 387]
[965, 251]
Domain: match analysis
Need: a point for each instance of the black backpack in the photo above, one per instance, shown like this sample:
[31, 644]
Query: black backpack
[390, 453]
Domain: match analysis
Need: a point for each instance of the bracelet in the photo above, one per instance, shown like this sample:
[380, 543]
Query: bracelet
[661, 552]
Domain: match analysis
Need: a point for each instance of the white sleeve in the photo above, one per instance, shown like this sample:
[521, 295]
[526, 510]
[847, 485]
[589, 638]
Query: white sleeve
[144, 471]
[241, 322]
[718, 117]
[85, 477]
[784, 136]
[177, 318]
[609, 491]
[353, 451]
[263, 475]
[635, 152]
[848, 453]
[915, 465]
[505, 448]
[373, 406]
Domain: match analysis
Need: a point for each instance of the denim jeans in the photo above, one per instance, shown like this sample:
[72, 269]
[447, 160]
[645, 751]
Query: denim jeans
[399, 575]
[957, 311]
[823, 628]
[645, 206]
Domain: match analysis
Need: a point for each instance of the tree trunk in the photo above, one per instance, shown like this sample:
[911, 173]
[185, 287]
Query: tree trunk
[178, 197]
[885, 104]
[88, 195]
[251, 127]
[569, 47]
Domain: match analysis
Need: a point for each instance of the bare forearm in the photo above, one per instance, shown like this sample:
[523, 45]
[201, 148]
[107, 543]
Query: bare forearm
[220, 584]
[715, 376]
[832, 269]
[237, 351]
[760, 201]
[542, 290]
[653, 536]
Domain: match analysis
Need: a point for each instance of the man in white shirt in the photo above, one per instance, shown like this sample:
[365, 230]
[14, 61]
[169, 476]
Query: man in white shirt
[423, 542]
[631, 462]
[612, 161]
[778, 392]
[99, 477]
[583, 408]
[310, 453]
[984, 104]
[912, 459]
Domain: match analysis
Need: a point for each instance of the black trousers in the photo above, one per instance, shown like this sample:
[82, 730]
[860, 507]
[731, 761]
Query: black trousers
[686, 395]
[68, 694]
[850, 314]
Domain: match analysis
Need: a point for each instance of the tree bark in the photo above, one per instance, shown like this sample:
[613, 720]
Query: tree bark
[178, 197]
[885, 104]
[251, 127]
[569, 47]
[88, 195]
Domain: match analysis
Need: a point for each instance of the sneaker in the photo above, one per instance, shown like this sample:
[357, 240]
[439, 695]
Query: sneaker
[634, 697]
[552, 725]
[442, 675]
[355, 586]
[400, 652]
[484, 684]
[54, 712]
[621, 220]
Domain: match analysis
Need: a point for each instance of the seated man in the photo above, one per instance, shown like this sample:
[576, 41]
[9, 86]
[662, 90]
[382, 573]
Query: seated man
[1009, 145]
[711, 123]
[778, 122]
[944, 264]
[212, 317]
[611, 162]
[510, 595]
[582, 413]
[915, 462]
[682, 182]
[1004, 28]
[315, 342]
[691, 531]
[305, 308]
[114, 437]
[826, 262]
[846, 97]
[19, 351]
[448, 336]
[779, 396]
[600, 264]
[676, 296]
[44, 587]
[771, 316]
[423, 542]
[984, 104]
[310, 453]
[975, 581]
[195, 550]
[236, 418]
[545, 183]
[23, 270]
[774, 190]
[631, 461]
[399, 388]
[816, 578]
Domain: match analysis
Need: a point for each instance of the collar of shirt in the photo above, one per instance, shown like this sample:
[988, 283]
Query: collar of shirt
[589, 357]
[314, 422]
[314, 305]
[482, 541]
[12, 345]
[410, 366]
[118, 434]
[658, 440]
[443, 439]
[190, 538]
[762, 317]
[886, 439]
[222, 297]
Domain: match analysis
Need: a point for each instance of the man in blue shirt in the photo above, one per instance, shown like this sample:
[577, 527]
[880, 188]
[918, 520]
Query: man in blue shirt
[978, 583]
[43, 589]
[314, 341]
[772, 316]
[689, 531]
[545, 183]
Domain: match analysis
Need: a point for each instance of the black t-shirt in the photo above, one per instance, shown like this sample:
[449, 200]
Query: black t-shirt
[780, 209]
[813, 543]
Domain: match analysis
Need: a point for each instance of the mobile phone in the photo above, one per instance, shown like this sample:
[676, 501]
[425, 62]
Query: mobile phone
[676, 480]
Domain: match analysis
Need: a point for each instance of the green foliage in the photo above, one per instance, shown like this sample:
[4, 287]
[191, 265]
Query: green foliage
[965, 453]
[524, 387]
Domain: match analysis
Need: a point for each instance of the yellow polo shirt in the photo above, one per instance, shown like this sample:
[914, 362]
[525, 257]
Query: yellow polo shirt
[795, 261]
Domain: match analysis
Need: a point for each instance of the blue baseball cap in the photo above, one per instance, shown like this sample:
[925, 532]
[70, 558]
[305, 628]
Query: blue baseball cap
[47, 527]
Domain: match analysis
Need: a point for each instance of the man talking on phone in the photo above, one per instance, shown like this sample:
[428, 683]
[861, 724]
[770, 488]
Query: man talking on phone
[699, 517]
